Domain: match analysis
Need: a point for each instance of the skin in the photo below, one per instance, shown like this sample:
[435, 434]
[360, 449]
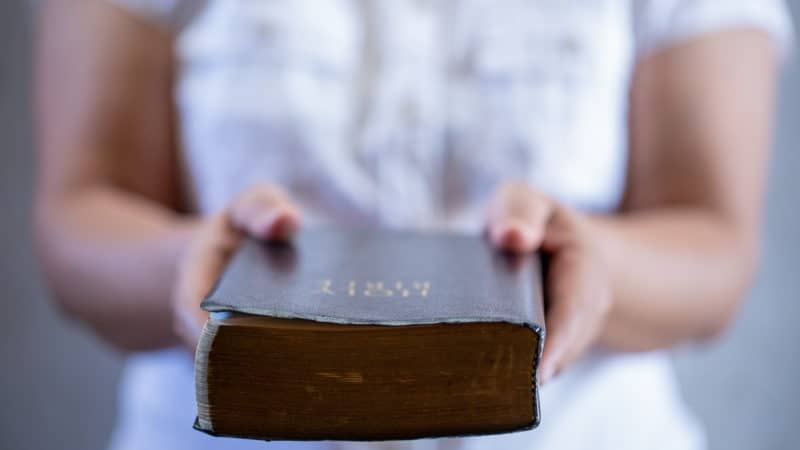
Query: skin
[122, 254]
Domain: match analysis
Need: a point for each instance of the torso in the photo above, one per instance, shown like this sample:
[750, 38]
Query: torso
[406, 114]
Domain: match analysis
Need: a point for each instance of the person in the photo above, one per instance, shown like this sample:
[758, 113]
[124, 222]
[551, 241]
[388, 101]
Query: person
[628, 139]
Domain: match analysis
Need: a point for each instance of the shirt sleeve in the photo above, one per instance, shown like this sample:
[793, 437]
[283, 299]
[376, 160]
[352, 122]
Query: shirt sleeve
[659, 24]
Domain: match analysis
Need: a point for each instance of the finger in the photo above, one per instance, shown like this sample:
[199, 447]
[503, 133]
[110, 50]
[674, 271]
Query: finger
[563, 331]
[517, 216]
[578, 304]
[515, 235]
[265, 212]
[202, 264]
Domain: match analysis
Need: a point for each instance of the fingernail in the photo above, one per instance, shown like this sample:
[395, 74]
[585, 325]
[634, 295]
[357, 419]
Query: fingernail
[281, 229]
[517, 237]
[525, 234]
[284, 226]
[262, 223]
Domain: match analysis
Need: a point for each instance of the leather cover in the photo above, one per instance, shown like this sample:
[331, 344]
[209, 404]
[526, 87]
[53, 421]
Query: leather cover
[383, 278]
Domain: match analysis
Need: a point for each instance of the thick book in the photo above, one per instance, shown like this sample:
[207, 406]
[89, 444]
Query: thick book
[371, 335]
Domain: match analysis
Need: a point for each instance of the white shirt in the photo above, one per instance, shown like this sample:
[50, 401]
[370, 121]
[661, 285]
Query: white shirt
[407, 113]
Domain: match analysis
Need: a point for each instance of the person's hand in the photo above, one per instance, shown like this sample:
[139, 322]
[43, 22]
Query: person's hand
[520, 219]
[263, 212]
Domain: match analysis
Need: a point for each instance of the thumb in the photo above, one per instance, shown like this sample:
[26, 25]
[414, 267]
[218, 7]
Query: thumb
[265, 212]
[516, 217]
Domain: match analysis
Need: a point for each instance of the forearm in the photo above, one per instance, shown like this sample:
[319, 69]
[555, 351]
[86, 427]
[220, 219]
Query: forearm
[110, 258]
[676, 274]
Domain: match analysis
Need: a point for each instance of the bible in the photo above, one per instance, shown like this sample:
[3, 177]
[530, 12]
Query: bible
[371, 335]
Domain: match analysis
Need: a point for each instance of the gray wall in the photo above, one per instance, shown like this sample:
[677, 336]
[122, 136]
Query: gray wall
[57, 383]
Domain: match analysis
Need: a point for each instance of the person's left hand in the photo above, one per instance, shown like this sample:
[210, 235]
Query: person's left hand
[521, 219]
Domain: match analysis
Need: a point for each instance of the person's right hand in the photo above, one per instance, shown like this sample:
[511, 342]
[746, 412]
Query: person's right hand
[262, 211]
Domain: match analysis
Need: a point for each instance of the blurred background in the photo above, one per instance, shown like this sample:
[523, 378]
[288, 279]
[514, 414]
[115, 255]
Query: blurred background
[57, 382]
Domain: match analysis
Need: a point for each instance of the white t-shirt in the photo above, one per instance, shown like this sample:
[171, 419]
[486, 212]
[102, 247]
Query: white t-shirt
[407, 113]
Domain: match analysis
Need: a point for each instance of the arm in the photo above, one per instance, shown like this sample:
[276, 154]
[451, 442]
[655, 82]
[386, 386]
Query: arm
[684, 250]
[116, 252]
[674, 263]
[107, 233]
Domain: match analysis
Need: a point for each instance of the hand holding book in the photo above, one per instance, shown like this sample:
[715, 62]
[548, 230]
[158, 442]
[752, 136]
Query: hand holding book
[262, 212]
[519, 219]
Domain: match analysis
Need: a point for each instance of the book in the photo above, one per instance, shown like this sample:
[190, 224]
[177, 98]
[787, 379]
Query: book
[371, 335]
